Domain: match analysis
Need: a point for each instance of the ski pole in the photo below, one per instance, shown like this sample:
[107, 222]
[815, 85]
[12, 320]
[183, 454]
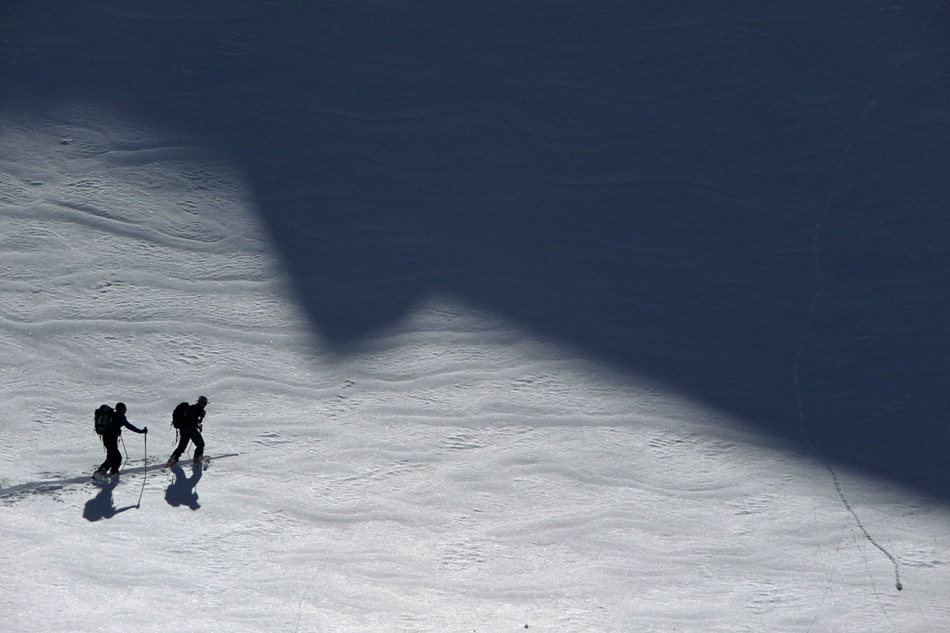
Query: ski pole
[144, 473]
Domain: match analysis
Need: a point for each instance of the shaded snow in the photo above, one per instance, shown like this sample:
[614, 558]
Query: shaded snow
[457, 464]
[452, 473]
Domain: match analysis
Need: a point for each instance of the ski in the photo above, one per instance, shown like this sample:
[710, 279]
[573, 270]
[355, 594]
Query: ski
[204, 462]
[103, 479]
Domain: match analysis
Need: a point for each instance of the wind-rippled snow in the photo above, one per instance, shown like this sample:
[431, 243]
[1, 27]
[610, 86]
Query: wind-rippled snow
[452, 473]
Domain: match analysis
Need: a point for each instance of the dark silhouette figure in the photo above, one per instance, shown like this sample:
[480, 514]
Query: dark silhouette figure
[190, 430]
[110, 439]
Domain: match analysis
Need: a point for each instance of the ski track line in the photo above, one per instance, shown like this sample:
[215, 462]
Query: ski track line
[333, 548]
[819, 281]
[52, 485]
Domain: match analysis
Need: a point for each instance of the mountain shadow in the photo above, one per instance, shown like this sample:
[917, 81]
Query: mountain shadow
[743, 200]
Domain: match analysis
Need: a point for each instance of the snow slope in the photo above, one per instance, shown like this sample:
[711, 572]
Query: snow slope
[398, 269]
[741, 200]
[452, 473]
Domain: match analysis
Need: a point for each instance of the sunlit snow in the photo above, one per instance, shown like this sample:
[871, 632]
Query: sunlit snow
[546, 316]
[453, 473]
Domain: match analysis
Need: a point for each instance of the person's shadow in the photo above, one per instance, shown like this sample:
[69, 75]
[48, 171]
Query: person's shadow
[183, 490]
[102, 506]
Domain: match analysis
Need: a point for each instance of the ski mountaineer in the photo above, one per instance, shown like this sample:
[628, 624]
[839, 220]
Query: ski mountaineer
[190, 430]
[110, 439]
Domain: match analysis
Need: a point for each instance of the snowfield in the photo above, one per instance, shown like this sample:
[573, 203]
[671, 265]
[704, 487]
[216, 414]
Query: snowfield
[451, 470]
[453, 473]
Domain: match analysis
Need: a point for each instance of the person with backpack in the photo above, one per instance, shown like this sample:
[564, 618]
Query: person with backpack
[188, 420]
[109, 424]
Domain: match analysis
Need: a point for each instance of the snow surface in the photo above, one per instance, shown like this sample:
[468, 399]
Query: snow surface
[452, 469]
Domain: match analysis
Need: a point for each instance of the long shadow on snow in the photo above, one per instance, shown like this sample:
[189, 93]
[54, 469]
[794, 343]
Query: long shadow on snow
[658, 187]
[102, 506]
[183, 490]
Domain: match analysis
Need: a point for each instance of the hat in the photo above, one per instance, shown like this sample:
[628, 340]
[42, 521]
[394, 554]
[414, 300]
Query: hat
[202, 400]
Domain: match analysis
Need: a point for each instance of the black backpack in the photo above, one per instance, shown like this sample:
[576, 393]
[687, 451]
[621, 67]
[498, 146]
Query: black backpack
[103, 418]
[178, 415]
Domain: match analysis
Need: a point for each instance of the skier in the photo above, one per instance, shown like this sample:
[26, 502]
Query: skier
[191, 430]
[110, 439]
